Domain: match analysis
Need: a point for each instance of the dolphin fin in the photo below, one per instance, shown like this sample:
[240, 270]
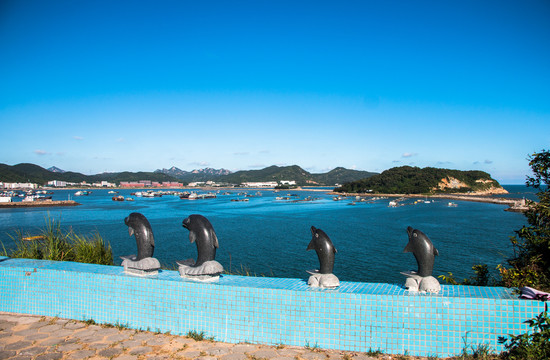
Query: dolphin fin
[436, 252]
[409, 248]
[192, 236]
[335, 251]
[216, 244]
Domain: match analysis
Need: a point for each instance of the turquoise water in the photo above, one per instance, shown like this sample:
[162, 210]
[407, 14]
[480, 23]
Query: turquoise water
[270, 237]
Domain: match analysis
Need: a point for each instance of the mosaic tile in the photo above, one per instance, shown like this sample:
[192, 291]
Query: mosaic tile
[355, 316]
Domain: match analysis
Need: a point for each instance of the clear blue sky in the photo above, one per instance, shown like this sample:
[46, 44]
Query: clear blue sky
[94, 86]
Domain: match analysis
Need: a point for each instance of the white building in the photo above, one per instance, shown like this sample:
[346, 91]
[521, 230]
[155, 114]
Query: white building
[288, 182]
[195, 184]
[57, 183]
[260, 184]
[19, 186]
[104, 184]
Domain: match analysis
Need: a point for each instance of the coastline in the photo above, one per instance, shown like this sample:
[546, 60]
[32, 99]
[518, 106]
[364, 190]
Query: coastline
[515, 205]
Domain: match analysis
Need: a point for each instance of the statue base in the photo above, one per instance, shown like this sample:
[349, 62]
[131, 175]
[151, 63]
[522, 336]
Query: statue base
[423, 284]
[208, 271]
[325, 281]
[144, 267]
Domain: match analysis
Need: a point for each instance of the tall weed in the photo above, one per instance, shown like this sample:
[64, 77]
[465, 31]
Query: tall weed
[56, 244]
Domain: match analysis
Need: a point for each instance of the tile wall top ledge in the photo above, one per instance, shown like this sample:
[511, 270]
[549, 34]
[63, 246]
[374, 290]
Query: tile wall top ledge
[357, 288]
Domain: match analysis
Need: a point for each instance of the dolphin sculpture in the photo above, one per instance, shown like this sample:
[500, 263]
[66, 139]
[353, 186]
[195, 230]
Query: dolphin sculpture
[321, 243]
[144, 263]
[324, 248]
[423, 250]
[202, 233]
[139, 226]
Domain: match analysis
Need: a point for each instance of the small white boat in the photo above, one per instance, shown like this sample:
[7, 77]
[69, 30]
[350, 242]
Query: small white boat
[452, 204]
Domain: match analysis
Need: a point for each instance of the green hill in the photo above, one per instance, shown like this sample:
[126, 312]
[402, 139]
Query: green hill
[296, 173]
[272, 173]
[341, 175]
[414, 180]
[36, 174]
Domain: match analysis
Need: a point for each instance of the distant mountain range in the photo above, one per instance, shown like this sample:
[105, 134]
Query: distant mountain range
[338, 175]
[206, 174]
[33, 173]
[55, 169]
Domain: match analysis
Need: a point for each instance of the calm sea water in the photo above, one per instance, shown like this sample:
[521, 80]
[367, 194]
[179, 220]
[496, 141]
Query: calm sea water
[270, 237]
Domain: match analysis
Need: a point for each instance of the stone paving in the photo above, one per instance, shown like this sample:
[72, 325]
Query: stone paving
[30, 337]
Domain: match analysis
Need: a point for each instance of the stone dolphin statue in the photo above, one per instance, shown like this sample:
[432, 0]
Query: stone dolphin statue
[139, 226]
[144, 263]
[423, 250]
[324, 248]
[202, 233]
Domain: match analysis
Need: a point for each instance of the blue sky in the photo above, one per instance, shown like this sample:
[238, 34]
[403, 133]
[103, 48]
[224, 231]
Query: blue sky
[94, 86]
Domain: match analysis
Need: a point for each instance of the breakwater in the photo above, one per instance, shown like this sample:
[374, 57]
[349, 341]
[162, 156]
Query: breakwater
[38, 203]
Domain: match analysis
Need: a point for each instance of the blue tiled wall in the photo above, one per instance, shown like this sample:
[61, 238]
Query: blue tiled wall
[355, 316]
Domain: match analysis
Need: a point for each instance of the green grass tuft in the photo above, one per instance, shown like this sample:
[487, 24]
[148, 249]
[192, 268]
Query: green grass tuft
[199, 336]
[56, 244]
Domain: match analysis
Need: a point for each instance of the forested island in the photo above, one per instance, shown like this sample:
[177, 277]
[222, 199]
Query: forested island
[429, 180]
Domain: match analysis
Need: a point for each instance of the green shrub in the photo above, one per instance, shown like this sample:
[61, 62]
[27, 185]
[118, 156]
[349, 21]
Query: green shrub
[532, 345]
[530, 265]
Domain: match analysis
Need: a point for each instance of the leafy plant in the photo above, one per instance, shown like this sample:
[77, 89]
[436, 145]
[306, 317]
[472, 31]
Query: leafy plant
[530, 265]
[532, 345]
[481, 277]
